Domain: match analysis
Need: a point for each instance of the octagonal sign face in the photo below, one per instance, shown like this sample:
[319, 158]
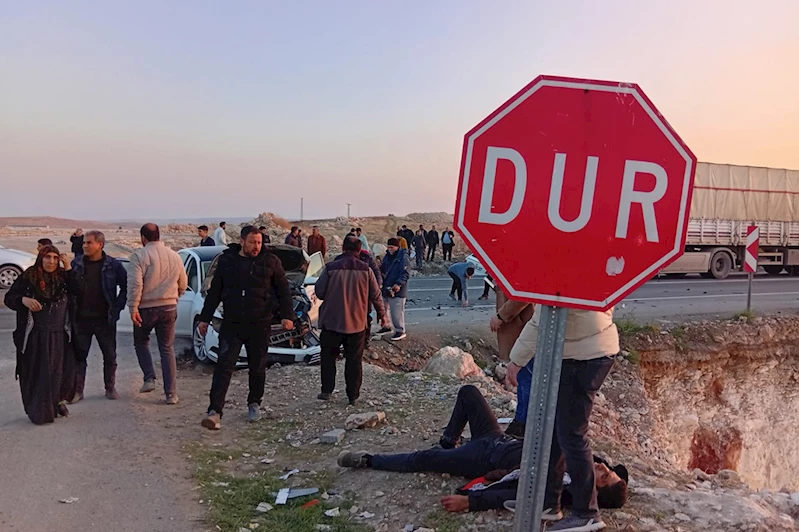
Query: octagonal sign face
[574, 192]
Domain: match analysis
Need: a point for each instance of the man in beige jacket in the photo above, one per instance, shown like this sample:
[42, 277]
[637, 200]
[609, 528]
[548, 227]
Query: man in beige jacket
[156, 279]
[592, 341]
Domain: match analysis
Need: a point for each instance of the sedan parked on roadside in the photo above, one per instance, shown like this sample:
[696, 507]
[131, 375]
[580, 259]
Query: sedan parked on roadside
[12, 264]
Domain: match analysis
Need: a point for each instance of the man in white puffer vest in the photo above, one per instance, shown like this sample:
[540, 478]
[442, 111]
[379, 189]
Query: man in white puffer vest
[592, 341]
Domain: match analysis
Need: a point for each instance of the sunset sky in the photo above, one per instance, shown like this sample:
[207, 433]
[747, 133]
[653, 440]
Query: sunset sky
[179, 109]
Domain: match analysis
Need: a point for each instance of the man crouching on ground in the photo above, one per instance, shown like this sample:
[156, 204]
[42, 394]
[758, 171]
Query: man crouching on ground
[491, 454]
[247, 277]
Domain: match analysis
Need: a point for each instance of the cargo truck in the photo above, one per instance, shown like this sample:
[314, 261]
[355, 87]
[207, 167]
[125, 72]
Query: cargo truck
[726, 200]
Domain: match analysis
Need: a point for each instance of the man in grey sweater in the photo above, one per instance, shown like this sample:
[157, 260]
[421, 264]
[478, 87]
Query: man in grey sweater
[156, 279]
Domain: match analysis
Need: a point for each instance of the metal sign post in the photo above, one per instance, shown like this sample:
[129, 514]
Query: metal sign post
[749, 294]
[540, 419]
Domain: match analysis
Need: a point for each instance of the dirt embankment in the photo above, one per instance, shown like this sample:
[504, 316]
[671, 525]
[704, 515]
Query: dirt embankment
[702, 415]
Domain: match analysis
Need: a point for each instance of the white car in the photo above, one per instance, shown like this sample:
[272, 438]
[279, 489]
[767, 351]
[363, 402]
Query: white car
[298, 345]
[12, 264]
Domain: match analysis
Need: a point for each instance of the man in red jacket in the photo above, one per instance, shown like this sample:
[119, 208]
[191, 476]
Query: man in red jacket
[317, 242]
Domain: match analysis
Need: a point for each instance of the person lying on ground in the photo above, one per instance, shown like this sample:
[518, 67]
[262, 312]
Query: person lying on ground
[490, 453]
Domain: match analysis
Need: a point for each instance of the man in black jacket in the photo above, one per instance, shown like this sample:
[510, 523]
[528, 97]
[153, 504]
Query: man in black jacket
[77, 242]
[102, 286]
[432, 243]
[490, 453]
[247, 277]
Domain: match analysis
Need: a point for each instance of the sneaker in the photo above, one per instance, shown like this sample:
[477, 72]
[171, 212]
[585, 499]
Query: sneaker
[550, 514]
[324, 396]
[356, 460]
[574, 523]
[111, 394]
[62, 410]
[254, 413]
[148, 386]
[213, 421]
[77, 398]
[171, 398]
[482, 298]
[452, 297]
[353, 402]
[384, 330]
[398, 336]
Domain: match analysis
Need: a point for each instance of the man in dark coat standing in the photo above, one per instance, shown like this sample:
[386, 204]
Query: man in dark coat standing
[101, 283]
[346, 287]
[432, 243]
[247, 279]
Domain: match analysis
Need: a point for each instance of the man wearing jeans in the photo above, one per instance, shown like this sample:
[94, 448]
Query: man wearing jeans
[101, 283]
[156, 279]
[592, 341]
[346, 287]
[396, 270]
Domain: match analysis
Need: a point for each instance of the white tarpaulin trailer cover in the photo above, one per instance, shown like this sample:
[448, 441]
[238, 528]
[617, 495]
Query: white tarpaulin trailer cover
[729, 192]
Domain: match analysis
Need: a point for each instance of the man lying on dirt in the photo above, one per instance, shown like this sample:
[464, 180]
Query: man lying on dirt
[490, 454]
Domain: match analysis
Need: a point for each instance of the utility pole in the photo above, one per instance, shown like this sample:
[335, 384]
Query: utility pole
[302, 208]
[348, 210]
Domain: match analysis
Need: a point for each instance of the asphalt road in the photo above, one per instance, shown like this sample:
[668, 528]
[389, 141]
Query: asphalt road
[107, 455]
[660, 299]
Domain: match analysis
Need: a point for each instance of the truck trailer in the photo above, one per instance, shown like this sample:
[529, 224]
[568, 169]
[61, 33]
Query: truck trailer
[727, 199]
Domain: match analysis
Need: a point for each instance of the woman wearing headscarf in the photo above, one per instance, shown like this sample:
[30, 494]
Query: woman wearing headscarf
[45, 360]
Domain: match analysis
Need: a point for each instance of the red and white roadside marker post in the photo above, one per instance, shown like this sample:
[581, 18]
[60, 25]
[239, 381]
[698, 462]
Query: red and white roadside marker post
[750, 259]
[598, 185]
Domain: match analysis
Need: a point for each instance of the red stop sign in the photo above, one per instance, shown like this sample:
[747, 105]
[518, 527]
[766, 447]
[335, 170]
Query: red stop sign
[574, 192]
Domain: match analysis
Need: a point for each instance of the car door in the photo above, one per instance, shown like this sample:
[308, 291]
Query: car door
[316, 263]
[191, 262]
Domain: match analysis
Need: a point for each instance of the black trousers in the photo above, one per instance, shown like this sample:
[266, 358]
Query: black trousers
[431, 252]
[106, 335]
[489, 448]
[457, 286]
[330, 344]
[571, 451]
[446, 249]
[232, 336]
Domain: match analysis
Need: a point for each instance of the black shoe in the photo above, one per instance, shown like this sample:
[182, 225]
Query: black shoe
[515, 429]
[384, 330]
[352, 402]
[62, 410]
[446, 444]
[324, 396]
[111, 394]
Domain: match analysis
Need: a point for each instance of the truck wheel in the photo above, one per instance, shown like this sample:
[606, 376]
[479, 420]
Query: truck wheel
[720, 265]
[773, 270]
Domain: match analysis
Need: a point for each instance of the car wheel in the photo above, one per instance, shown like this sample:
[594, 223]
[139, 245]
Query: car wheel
[199, 346]
[8, 274]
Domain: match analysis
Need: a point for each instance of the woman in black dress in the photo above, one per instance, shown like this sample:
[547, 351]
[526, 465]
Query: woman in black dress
[45, 360]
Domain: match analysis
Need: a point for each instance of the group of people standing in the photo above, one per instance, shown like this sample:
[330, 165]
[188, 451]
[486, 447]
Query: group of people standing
[63, 304]
[425, 243]
[219, 238]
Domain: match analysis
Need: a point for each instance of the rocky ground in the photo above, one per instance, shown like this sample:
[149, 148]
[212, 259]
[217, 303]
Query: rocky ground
[636, 421]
